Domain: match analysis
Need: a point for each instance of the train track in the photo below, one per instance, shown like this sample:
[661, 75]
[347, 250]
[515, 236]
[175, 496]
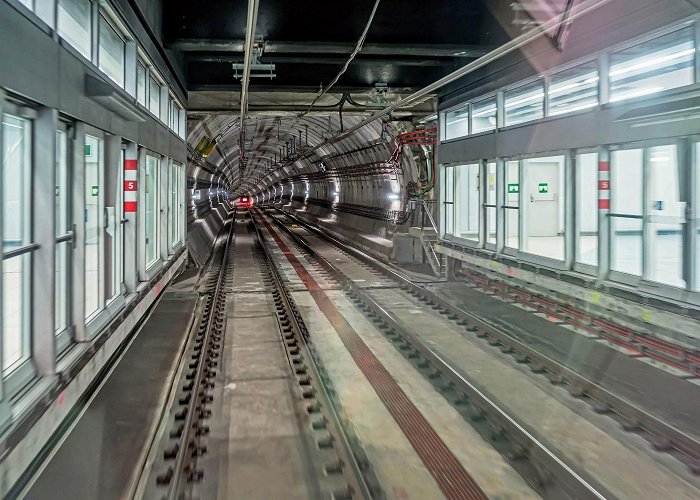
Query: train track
[635, 340]
[526, 452]
[343, 456]
[174, 467]
[171, 467]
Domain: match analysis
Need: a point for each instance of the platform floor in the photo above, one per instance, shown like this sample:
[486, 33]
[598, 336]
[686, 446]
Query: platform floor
[98, 458]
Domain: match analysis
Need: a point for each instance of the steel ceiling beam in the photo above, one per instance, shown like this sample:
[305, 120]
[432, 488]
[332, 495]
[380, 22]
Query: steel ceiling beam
[373, 49]
[251, 21]
[318, 60]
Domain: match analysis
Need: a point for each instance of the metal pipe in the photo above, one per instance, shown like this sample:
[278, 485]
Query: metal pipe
[549, 26]
[514, 44]
[251, 21]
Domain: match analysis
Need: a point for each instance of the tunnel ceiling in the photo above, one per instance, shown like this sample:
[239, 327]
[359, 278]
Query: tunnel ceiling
[409, 45]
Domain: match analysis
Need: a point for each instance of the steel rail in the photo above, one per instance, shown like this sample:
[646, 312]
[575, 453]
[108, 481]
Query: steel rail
[360, 483]
[251, 21]
[664, 435]
[183, 460]
[554, 468]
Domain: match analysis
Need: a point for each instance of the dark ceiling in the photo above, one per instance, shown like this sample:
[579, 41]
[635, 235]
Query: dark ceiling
[409, 45]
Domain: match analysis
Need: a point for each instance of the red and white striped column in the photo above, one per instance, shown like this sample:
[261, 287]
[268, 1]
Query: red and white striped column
[603, 213]
[130, 185]
[604, 184]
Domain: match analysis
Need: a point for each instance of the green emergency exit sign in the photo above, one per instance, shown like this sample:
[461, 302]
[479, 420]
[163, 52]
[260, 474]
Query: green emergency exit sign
[95, 190]
[513, 188]
[543, 187]
[88, 150]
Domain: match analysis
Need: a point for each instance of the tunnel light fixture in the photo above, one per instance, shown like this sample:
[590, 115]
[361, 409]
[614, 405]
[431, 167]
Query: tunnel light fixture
[394, 196]
[336, 193]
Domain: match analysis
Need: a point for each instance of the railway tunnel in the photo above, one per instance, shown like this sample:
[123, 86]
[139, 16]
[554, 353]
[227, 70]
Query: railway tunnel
[373, 249]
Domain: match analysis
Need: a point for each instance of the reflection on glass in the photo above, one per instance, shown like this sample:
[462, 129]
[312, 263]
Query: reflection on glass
[151, 216]
[587, 208]
[626, 206]
[154, 97]
[141, 84]
[574, 89]
[73, 18]
[524, 104]
[512, 204]
[666, 216]
[544, 233]
[457, 123]
[467, 201]
[61, 207]
[448, 201]
[16, 232]
[94, 276]
[491, 201]
[484, 116]
[663, 63]
[111, 54]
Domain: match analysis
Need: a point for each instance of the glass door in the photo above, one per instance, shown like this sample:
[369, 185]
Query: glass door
[94, 226]
[63, 237]
[113, 235]
[151, 212]
[666, 216]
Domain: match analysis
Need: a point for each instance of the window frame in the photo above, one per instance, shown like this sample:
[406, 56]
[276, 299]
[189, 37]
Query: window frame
[21, 372]
[66, 237]
[105, 16]
[577, 265]
[519, 85]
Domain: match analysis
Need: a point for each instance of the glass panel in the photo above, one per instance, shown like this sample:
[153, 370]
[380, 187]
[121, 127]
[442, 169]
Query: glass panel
[16, 178]
[524, 104]
[74, 24]
[587, 208]
[114, 236]
[663, 63]
[94, 240]
[15, 311]
[448, 197]
[467, 201]
[626, 192]
[111, 55]
[574, 89]
[28, 3]
[666, 217]
[154, 97]
[491, 200]
[62, 186]
[141, 84]
[174, 177]
[512, 199]
[544, 233]
[457, 123]
[484, 116]
[61, 287]
[151, 226]
[696, 204]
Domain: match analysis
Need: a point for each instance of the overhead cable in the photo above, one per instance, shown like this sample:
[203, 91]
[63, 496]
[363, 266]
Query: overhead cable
[358, 48]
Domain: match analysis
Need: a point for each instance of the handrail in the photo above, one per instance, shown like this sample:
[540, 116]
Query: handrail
[430, 216]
